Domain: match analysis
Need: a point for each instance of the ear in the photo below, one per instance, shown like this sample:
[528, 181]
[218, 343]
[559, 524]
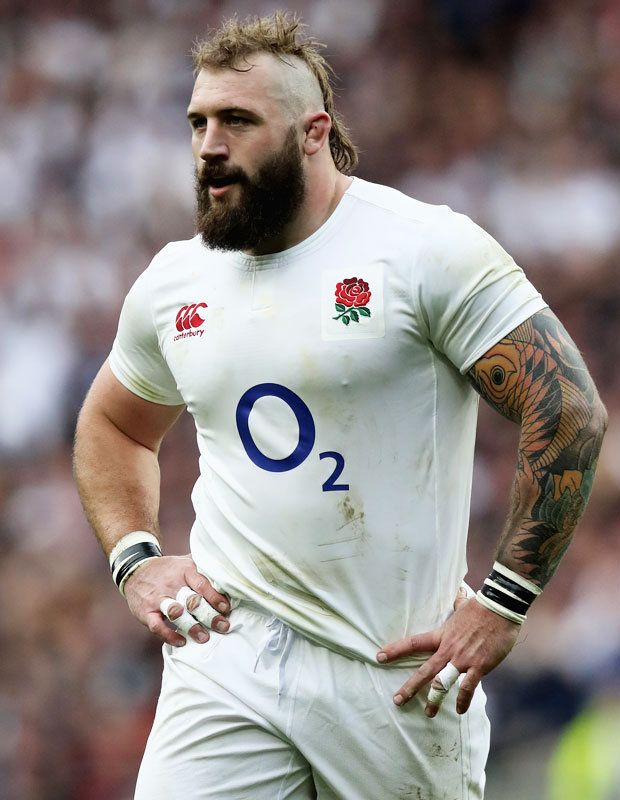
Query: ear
[317, 127]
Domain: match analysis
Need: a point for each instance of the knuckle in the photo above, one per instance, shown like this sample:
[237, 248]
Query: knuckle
[474, 676]
[201, 585]
[401, 647]
[427, 670]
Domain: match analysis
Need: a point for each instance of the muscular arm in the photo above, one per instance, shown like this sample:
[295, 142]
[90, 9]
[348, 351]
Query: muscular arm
[117, 473]
[115, 459]
[536, 377]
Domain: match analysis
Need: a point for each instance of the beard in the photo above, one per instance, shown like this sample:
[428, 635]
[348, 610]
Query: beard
[266, 204]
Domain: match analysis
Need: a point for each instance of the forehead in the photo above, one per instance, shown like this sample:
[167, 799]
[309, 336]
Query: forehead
[258, 85]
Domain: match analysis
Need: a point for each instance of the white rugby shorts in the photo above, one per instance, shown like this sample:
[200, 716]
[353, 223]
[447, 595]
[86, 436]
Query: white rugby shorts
[262, 713]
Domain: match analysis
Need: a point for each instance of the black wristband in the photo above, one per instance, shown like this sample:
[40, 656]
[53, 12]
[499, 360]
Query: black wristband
[507, 593]
[128, 559]
[514, 588]
[504, 599]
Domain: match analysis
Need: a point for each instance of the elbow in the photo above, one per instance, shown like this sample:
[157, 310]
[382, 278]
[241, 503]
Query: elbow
[598, 421]
[601, 417]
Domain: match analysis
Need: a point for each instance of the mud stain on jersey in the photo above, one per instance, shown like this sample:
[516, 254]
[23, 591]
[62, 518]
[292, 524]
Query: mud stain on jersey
[296, 582]
[348, 539]
[353, 516]
[411, 793]
[437, 751]
[417, 793]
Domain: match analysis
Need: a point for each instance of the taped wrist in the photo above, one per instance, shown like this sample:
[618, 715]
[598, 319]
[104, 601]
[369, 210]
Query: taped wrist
[129, 552]
[508, 594]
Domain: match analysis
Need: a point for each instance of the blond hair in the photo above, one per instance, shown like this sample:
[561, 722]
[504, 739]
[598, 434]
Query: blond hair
[280, 35]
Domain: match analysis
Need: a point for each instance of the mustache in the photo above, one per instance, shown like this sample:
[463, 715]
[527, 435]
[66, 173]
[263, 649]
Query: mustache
[211, 174]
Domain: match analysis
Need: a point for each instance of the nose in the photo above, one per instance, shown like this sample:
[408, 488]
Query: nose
[213, 144]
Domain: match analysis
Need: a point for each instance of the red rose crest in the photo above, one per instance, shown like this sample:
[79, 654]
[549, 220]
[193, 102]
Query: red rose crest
[352, 297]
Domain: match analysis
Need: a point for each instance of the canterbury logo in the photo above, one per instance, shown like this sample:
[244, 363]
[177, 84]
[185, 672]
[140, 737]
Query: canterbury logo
[189, 318]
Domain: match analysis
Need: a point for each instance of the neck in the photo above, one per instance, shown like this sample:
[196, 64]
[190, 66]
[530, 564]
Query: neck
[322, 197]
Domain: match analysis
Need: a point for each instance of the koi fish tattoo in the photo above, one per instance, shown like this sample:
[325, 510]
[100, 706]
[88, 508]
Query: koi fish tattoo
[536, 376]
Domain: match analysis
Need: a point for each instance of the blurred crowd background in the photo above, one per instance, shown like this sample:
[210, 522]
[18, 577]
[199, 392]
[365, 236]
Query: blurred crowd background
[507, 110]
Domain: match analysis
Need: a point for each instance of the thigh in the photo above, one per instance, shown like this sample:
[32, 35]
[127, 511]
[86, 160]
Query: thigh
[207, 744]
[362, 746]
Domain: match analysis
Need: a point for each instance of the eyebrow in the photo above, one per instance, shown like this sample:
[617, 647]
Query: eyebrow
[191, 115]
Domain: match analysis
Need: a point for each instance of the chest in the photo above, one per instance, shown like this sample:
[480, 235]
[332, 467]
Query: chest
[313, 328]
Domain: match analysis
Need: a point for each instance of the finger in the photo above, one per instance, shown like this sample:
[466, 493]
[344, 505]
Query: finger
[182, 621]
[440, 686]
[420, 643]
[466, 690]
[419, 679]
[155, 623]
[199, 634]
[203, 586]
[201, 610]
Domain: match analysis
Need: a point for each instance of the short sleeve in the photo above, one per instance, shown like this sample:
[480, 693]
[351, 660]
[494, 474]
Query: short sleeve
[468, 291]
[136, 358]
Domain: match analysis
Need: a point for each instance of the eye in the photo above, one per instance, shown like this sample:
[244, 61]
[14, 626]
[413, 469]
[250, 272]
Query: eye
[498, 376]
[198, 123]
[236, 121]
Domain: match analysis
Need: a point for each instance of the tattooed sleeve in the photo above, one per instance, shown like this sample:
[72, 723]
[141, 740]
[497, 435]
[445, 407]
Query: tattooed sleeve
[536, 377]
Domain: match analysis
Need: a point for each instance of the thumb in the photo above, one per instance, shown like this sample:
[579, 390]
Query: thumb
[463, 594]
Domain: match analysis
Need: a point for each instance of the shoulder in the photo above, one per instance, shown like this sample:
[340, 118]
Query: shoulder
[172, 266]
[186, 251]
[440, 234]
[387, 201]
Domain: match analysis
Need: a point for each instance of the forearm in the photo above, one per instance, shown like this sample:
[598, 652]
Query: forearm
[548, 500]
[536, 377]
[118, 480]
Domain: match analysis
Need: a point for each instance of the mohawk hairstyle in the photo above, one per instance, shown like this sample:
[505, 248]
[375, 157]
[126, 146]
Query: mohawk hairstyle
[281, 35]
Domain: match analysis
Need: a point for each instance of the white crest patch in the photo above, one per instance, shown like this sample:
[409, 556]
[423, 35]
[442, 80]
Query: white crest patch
[352, 303]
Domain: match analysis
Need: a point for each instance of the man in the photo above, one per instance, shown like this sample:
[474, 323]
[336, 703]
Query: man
[327, 335]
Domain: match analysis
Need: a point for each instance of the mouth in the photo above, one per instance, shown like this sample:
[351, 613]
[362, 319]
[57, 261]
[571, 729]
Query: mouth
[219, 186]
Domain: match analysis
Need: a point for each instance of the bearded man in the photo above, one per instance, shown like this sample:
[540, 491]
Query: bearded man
[331, 338]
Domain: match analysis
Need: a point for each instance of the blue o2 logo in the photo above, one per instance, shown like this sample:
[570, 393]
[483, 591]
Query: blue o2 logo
[307, 431]
[305, 442]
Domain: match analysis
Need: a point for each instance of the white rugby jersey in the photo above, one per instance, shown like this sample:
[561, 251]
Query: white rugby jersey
[335, 423]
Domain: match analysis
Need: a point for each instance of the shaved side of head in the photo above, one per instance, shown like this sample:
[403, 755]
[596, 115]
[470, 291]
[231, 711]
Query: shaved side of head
[306, 75]
[303, 91]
